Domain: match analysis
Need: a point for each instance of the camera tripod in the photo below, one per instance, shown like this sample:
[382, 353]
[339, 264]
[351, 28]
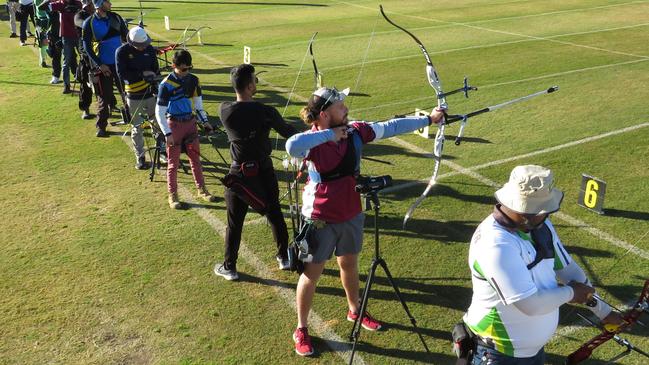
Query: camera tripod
[373, 199]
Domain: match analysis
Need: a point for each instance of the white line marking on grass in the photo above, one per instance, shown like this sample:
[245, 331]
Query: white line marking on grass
[562, 216]
[469, 25]
[574, 221]
[333, 341]
[546, 76]
[451, 50]
[556, 12]
[362, 35]
[603, 235]
[524, 155]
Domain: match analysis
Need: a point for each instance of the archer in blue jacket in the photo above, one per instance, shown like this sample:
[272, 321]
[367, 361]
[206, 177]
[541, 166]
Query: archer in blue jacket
[102, 34]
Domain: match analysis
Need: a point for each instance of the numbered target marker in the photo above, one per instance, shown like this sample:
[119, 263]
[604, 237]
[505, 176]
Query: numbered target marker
[591, 194]
[246, 55]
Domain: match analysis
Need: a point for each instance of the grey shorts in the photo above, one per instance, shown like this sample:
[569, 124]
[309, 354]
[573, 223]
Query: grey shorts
[342, 238]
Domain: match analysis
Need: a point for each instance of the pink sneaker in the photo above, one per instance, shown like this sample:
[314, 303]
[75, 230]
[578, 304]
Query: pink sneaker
[369, 323]
[303, 346]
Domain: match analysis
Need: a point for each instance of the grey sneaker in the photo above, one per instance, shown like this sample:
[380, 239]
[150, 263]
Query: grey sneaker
[141, 164]
[282, 263]
[228, 274]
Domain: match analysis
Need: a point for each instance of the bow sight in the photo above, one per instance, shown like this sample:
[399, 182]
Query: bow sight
[436, 84]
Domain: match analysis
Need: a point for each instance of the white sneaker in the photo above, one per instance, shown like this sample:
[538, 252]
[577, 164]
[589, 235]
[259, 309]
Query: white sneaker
[220, 270]
[283, 263]
[55, 80]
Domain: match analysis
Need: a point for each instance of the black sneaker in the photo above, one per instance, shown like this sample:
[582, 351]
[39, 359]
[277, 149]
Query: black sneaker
[66, 89]
[228, 273]
[141, 164]
[13, 35]
[101, 133]
[43, 64]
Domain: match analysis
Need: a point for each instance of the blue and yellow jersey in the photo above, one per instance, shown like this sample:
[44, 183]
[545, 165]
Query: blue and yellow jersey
[131, 64]
[176, 94]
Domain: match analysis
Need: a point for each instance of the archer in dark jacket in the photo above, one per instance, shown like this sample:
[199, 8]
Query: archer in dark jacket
[137, 67]
[102, 34]
[248, 124]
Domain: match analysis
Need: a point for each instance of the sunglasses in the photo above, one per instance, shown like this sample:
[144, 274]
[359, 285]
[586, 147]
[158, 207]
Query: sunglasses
[334, 95]
[185, 69]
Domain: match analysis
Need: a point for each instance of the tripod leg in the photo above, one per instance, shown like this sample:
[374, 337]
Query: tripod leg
[358, 323]
[155, 162]
[220, 155]
[384, 265]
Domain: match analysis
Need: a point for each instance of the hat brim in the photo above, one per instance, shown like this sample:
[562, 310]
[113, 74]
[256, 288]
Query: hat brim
[141, 44]
[510, 197]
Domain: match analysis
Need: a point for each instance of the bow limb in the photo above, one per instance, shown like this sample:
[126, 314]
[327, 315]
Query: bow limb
[630, 318]
[436, 84]
[317, 76]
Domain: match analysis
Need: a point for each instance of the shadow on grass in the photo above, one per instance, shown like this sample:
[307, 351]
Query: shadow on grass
[427, 229]
[395, 353]
[467, 139]
[247, 278]
[132, 8]
[412, 290]
[213, 71]
[378, 150]
[642, 216]
[188, 206]
[555, 359]
[232, 3]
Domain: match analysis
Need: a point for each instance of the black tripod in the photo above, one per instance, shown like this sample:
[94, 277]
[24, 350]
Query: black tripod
[373, 199]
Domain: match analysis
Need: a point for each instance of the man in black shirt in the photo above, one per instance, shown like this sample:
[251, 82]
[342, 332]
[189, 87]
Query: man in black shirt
[248, 124]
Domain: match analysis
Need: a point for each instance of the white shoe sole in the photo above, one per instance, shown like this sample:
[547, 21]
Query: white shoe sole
[301, 353]
[228, 277]
[283, 265]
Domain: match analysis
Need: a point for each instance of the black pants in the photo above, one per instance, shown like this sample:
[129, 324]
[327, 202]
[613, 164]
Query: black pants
[55, 51]
[85, 91]
[105, 96]
[266, 185]
[26, 14]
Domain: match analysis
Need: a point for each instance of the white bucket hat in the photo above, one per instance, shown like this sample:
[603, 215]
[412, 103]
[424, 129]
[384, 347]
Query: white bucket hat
[529, 191]
[138, 38]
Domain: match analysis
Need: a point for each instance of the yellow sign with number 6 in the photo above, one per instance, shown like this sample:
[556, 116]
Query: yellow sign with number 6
[591, 194]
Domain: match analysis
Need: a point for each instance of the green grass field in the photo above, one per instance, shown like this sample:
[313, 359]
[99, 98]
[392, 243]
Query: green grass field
[96, 269]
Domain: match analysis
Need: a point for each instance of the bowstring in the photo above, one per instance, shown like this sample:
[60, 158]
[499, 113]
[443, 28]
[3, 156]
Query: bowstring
[356, 88]
[290, 94]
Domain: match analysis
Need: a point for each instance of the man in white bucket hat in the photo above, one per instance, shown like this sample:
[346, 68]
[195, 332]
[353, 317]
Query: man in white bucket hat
[515, 259]
[137, 68]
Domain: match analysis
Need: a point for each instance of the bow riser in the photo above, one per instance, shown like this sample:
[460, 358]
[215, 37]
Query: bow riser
[436, 84]
[629, 318]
